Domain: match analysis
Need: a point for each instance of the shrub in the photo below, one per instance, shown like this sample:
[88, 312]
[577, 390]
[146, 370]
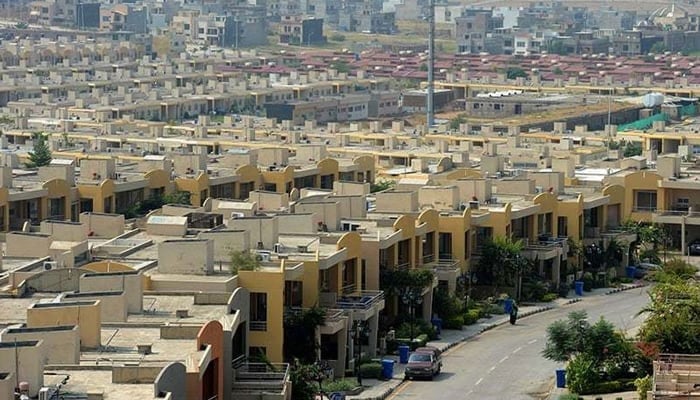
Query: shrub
[337, 37]
[340, 385]
[643, 385]
[371, 370]
[420, 327]
[549, 297]
[610, 387]
[587, 279]
[455, 322]
[569, 396]
[581, 374]
[471, 316]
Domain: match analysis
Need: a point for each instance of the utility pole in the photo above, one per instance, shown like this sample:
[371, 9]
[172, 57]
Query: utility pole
[430, 117]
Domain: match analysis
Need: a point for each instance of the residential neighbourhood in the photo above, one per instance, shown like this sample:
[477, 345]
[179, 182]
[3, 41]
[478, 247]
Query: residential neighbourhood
[226, 200]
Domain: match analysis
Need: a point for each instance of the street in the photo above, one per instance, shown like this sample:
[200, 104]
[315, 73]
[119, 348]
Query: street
[506, 363]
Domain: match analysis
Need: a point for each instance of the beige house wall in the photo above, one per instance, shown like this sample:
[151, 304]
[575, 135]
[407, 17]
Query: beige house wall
[131, 283]
[439, 197]
[298, 223]
[97, 169]
[61, 345]
[263, 230]
[269, 200]
[113, 304]
[351, 188]
[329, 212]
[102, 225]
[26, 362]
[186, 257]
[474, 187]
[87, 315]
[225, 241]
[64, 231]
[514, 186]
[21, 244]
[397, 201]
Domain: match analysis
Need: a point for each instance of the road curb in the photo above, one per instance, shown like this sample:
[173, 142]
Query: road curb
[622, 289]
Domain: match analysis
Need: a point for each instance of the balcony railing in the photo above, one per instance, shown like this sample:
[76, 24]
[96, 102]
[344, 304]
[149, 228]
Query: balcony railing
[544, 243]
[679, 213]
[644, 209]
[428, 258]
[258, 326]
[443, 265]
[349, 288]
[365, 300]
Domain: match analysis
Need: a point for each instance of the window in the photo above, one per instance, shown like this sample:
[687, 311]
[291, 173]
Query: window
[258, 311]
[293, 291]
[645, 201]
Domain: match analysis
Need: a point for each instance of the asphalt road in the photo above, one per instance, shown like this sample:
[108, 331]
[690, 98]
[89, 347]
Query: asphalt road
[506, 363]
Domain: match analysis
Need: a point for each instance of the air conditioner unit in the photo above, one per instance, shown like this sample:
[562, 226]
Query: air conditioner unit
[263, 256]
[49, 265]
[237, 215]
[46, 393]
[278, 248]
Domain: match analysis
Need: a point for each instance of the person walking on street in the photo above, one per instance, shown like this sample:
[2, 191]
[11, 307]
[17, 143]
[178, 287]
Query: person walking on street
[513, 313]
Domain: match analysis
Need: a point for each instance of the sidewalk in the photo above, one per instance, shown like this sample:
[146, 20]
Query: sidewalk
[379, 390]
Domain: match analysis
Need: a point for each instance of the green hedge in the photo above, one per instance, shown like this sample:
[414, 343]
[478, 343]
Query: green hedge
[371, 371]
[471, 316]
[549, 297]
[455, 322]
[611, 387]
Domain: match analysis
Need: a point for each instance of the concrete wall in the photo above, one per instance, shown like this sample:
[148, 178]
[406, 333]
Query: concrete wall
[351, 188]
[262, 229]
[477, 187]
[269, 200]
[227, 207]
[97, 169]
[171, 379]
[87, 315]
[21, 244]
[298, 223]
[130, 282]
[61, 344]
[166, 226]
[113, 304]
[352, 206]
[27, 366]
[547, 180]
[64, 231]
[185, 164]
[514, 186]
[102, 225]
[186, 257]
[273, 155]
[439, 197]
[397, 201]
[7, 385]
[329, 212]
[225, 241]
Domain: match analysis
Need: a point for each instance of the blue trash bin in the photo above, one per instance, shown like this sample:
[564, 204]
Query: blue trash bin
[578, 288]
[561, 378]
[630, 271]
[387, 369]
[403, 354]
[508, 305]
[437, 323]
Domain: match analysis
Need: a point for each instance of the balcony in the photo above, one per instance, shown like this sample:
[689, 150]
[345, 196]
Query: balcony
[253, 380]
[363, 304]
[349, 289]
[444, 269]
[545, 247]
[677, 217]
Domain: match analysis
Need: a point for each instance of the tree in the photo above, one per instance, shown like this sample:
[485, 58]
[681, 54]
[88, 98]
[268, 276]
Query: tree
[40, 155]
[457, 121]
[515, 72]
[243, 261]
[501, 263]
[303, 378]
[673, 320]
[300, 334]
[632, 149]
[658, 48]
[382, 185]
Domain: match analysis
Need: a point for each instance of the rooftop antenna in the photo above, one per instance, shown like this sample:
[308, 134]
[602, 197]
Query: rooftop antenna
[430, 117]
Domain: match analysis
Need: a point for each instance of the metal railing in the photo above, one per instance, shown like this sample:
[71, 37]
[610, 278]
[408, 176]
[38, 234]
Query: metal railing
[258, 325]
[549, 243]
[644, 209]
[365, 300]
[679, 213]
[428, 258]
[349, 288]
[261, 377]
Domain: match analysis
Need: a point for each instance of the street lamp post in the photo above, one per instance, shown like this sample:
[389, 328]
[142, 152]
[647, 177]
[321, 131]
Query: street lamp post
[412, 297]
[359, 330]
